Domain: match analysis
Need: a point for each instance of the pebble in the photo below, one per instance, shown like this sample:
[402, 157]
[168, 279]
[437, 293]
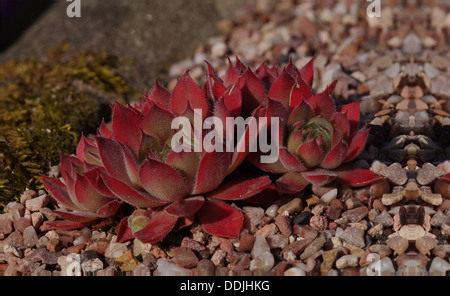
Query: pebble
[36, 219]
[294, 206]
[185, 257]
[83, 238]
[381, 250]
[425, 244]
[303, 218]
[384, 218]
[70, 265]
[141, 270]
[92, 265]
[262, 262]
[329, 257]
[295, 271]
[333, 213]
[115, 250]
[312, 248]
[318, 223]
[27, 195]
[272, 210]
[169, 268]
[284, 225]
[30, 237]
[128, 261]
[383, 267]
[218, 258]
[439, 267]
[398, 244]
[355, 215]
[21, 223]
[395, 174]
[54, 245]
[35, 204]
[441, 251]
[347, 261]
[16, 209]
[329, 196]
[6, 224]
[205, 267]
[246, 242]
[353, 236]
[439, 218]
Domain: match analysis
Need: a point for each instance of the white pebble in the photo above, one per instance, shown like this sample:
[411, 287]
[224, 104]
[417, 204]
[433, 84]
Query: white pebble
[168, 268]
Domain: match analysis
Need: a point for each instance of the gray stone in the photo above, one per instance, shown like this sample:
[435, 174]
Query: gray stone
[353, 236]
[30, 237]
[439, 267]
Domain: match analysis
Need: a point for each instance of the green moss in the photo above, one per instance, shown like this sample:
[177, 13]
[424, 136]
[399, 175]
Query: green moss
[44, 107]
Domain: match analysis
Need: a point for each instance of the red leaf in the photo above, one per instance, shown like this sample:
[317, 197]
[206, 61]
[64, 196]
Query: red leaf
[124, 232]
[110, 209]
[301, 112]
[159, 95]
[239, 190]
[157, 123]
[233, 101]
[214, 84]
[86, 194]
[292, 182]
[162, 181]
[252, 92]
[353, 114]
[185, 207]
[307, 72]
[130, 195]
[187, 91]
[231, 75]
[219, 218]
[319, 177]
[341, 124]
[211, 171]
[66, 225]
[322, 103]
[357, 177]
[356, 145]
[117, 160]
[82, 217]
[185, 162]
[266, 76]
[299, 93]
[59, 191]
[85, 150]
[290, 161]
[310, 154]
[159, 226]
[335, 156]
[104, 131]
[281, 89]
[124, 124]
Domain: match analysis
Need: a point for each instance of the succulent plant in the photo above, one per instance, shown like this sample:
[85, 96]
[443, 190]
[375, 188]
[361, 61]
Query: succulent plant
[316, 140]
[135, 163]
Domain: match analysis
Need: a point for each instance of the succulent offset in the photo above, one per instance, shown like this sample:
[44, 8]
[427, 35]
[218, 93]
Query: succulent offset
[315, 140]
[133, 161]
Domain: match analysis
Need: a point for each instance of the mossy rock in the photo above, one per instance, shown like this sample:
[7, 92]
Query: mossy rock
[44, 108]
